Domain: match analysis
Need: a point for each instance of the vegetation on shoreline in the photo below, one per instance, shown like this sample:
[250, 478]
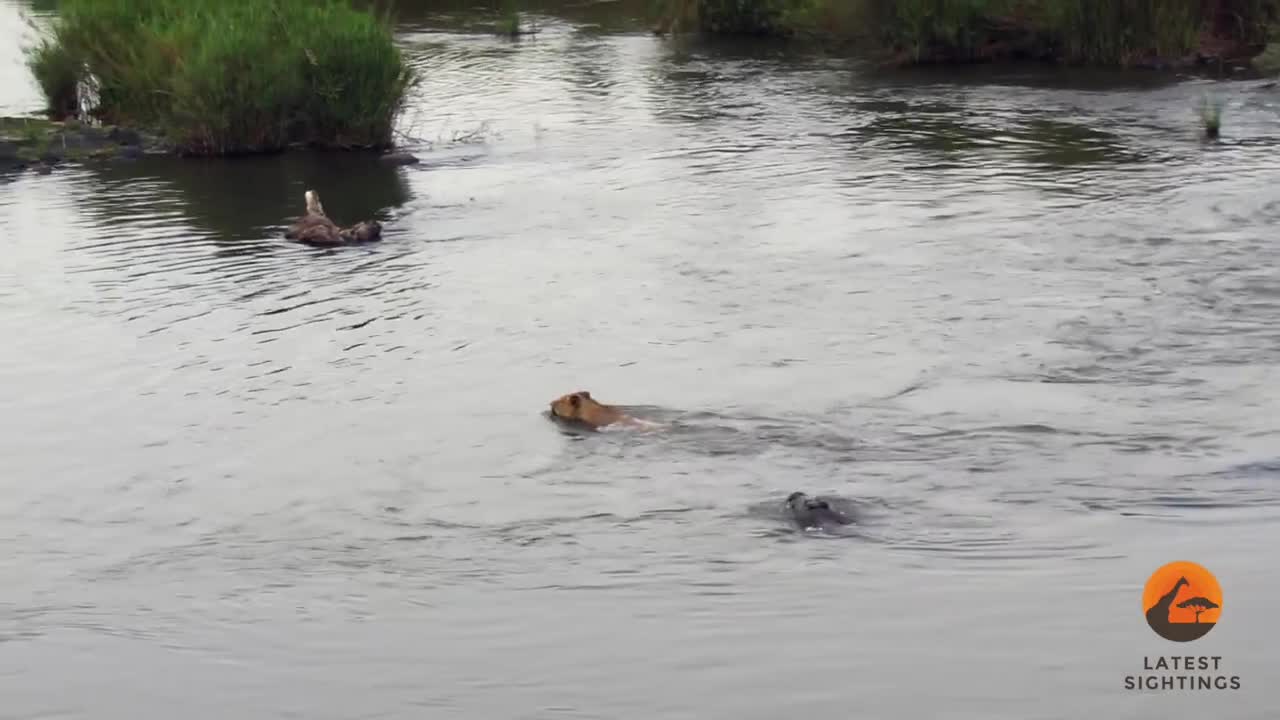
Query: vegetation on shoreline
[1095, 32]
[222, 77]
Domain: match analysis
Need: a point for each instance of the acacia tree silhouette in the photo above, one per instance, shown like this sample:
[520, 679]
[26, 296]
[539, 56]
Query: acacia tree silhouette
[1199, 605]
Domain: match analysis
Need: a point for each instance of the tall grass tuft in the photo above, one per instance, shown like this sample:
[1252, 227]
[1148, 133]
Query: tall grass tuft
[955, 30]
[508, 20]
[229, 76]
[1211, 117]
[1123, 31]
[57, 72]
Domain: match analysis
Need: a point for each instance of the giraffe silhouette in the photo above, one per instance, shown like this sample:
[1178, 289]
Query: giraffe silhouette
[1158, 614]
[1158, 618]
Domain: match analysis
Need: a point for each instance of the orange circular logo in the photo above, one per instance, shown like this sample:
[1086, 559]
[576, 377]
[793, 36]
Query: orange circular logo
[1182, 601]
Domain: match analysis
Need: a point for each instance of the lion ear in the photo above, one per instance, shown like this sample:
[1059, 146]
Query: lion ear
[585, 394]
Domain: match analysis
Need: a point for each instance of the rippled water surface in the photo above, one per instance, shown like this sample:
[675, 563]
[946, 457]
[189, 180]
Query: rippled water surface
[1026, 322]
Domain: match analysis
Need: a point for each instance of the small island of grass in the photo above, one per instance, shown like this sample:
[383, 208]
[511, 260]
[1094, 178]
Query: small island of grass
[222, 77]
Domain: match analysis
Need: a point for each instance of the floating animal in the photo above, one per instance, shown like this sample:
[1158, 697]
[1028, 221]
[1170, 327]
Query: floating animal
[808, 512]
[579, 407]
[315, 228]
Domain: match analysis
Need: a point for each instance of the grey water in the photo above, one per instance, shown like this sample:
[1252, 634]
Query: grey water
[1026, 321]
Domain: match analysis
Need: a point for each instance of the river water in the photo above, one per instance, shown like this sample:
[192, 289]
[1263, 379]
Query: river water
[1026, 321]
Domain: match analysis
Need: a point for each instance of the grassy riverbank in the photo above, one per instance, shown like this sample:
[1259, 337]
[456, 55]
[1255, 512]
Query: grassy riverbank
[227, 76]
[1095, 32]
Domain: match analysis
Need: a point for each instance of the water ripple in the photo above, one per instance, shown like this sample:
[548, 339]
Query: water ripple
[1025, 322]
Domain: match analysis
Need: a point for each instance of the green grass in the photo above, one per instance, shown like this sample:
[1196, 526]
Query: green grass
[1123, 30]
[510, 21]
[228, 76]
[57, 74]
[1098, 32]
[508, 24]
[1211, 117]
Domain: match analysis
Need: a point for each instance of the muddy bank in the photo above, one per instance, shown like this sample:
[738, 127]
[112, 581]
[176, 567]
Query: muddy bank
[39, 143]
[36, 143]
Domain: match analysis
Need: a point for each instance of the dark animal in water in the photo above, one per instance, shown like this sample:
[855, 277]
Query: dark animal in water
[315, 228]
[814, 512]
